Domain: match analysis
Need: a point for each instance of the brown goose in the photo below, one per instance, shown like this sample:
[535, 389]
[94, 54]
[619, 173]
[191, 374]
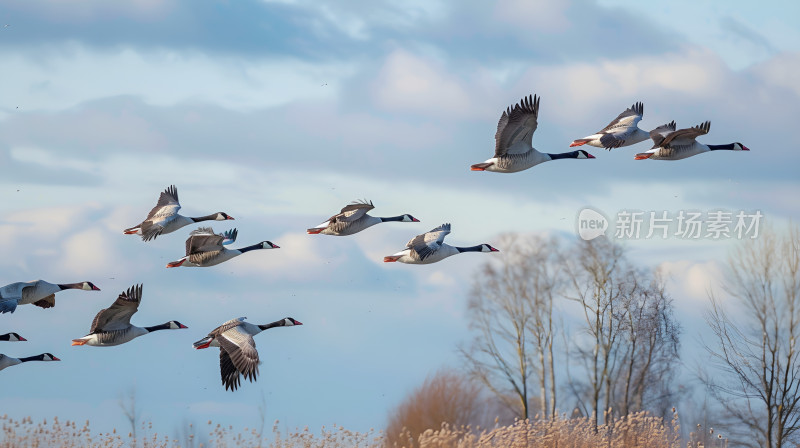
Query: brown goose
[39, 293]
[671, 144]
[353, 218]
[237, 350]
[513, 151]
[112, 325]
[164, 217]
[622, 131]
[205, 248]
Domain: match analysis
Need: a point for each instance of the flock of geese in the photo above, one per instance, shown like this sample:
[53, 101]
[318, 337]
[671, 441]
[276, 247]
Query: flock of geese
[238, 356]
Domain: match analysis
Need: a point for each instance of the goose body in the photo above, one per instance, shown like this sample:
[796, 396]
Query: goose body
[353, 218]
[672, 144]
[205, 248]
[38, 292]
[112, 325]
[164, 217]
[7, 361]
[430, 247]
[11, 337]
[622, 131]
[513, 150]
[238, 355]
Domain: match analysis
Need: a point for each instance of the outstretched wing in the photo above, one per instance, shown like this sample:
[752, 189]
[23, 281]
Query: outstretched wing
[204, 239]
[167, 204]
[684, 136]
[353, 211]
[615, 134]
[118, 315]
[428, 243]
[630, 117]
[658, 134]
[516, 127]
[238, 355]
[229, 236]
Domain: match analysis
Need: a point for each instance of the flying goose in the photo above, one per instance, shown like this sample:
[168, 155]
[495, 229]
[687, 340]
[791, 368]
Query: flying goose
[237, 350]
[204, 248]
[670, 144]
[7, 361]
[430, 248]
[623, 131]
[11, 337]
[513, 151]
[164, 217]
[112, 325]
[354, 218]
[39, 293]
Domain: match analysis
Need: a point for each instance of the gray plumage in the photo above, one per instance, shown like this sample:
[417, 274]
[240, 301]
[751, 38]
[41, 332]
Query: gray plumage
[428, 243]
[683, 137]
[517, 125]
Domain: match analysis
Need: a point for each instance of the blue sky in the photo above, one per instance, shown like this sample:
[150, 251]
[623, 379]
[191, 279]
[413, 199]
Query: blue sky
[281, 112]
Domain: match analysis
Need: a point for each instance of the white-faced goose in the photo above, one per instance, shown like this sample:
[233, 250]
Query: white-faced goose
[513, 151]
[11, 337]
[204, 248]
[670, 144]
[39, 293]
[164, 217]
[354, 218]
[112, 325]
[237, 350]
[430, 248]
[7, 361]
[623, 131]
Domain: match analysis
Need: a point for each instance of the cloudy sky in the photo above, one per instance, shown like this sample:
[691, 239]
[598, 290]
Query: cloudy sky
[281, 112]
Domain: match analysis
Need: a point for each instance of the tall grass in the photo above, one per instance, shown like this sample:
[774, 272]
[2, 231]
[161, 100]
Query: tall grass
[636, 430]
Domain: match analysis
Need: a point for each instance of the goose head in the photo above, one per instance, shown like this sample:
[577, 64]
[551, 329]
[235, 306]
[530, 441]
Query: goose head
[488, 248]
[740, 147]
[89, 286]
[222, 216]
[269, 245]
[409, 218]
[583, 155]
[48, 357]
[290, 321]
[175, 325]
[11, 337]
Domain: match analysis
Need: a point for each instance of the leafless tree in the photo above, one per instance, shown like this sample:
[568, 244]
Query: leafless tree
[755, 350]
[127, 403]
[445, 397]
[511, 310]
[631, 339]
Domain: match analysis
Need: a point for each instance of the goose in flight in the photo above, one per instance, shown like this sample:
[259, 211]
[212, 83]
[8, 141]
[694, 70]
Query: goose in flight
[112, 325]
[354, 218]
[237, 350]
[11, 337]
[7, 361]
[39, 293]
[513, 151]
[164, 217]
[671, 144]
[623, 131]
[205, 248]
[430, 248]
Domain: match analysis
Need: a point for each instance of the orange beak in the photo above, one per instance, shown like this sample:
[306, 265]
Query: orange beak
[644, 155]
[78, 342]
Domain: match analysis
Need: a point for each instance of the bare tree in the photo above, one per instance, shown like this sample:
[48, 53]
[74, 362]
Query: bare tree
[511, 309]
[127, 403]
[445, 397]
[756, 352]
[632, 339]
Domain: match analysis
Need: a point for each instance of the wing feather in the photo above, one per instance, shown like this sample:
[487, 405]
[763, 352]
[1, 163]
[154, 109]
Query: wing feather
[167, 204]
[685, 135]
[240, 348]
[428, 243]
[118, 315]
[517, 125]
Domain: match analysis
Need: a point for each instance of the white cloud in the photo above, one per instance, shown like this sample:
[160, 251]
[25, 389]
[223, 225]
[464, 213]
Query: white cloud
[536, 15]
[410, 83]
[61, 77]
